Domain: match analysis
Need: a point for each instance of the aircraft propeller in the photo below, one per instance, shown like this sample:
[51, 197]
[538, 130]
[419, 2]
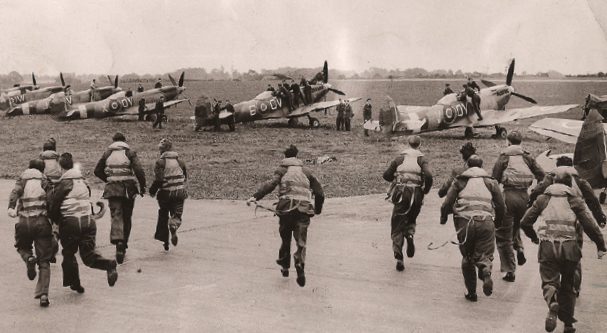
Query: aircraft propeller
[34, 80]
[509, 77]
[115, 82]
[337, 91]
[180, 85]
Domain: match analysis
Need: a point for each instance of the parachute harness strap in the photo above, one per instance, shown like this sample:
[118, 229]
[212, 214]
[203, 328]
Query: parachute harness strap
[467, 227]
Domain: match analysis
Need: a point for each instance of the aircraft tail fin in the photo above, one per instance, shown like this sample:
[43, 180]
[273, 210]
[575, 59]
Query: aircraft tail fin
[388, 117]
[590, 153]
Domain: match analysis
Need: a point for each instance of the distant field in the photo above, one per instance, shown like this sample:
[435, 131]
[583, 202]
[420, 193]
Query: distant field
[232, 165]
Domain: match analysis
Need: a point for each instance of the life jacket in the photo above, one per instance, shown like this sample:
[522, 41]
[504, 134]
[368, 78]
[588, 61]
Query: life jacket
[475, 199]
[52, 170]
[33, 200]
[557, 221]
[77, 202]
[118, 165]
[517, 174]
[173, 178]
[409, 172]
[294, 184]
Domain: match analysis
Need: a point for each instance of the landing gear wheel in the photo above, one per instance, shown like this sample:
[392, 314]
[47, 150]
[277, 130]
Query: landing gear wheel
[500, 132]
[314, 123]
[468, 133]
[292, 122]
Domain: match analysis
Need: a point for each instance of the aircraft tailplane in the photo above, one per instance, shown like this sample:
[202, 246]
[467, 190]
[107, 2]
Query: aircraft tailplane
[203, 112]
[590, 155]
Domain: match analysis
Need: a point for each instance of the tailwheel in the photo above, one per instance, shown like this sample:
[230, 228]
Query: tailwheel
[292, 122]
[500, 132]
[314, 123]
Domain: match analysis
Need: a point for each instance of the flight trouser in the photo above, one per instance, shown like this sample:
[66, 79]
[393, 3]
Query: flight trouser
[159, 119]
[476, 104]
[347, 123]
[36, 230]
[578, 270]
[339, 122]
[199, 123]
[558, 262]
[79, 233]
[505, 249]
[168, 206]
[516, 206]
[477, 235]
[230, 122]
[121, 209]
[216, 122]
[404, 218]
[293, 224]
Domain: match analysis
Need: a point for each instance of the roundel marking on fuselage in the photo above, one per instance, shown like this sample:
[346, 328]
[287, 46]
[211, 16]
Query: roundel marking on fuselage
[449, 115]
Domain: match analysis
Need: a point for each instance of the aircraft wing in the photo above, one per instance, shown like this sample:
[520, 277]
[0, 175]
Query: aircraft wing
[410, 108]
[320, 106]
[494, 117]
[134, 111]
[566, 130]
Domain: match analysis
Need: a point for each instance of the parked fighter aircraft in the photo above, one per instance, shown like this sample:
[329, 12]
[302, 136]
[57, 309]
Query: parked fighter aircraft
[64, 100]
[123, 104]
[11, 100]
[271, 105]
[590, 155]
[20, 88]
[449, 112]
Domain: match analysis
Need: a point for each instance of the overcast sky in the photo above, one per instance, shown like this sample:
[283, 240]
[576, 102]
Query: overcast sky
[145, 36]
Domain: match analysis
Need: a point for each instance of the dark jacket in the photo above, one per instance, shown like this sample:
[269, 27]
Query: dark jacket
[127, 188]
[158, 85]
[454, 173]
[159, 107]
[367, 112]
[496, 197]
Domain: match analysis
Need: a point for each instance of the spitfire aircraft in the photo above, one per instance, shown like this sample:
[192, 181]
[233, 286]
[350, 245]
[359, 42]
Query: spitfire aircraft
[590, 154]
[271, 105]
[64, 99]
[124, 103]
[11, 100]
[450, 112]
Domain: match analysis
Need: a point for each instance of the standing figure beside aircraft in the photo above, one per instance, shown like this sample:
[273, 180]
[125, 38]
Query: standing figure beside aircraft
[297, 96]
[473, 85]
[140, 88]
[308, 92]
[339, 120]
[159, 110]
[348, 114]
[270, 88]
[410, 178]
[141, 109]
[216, 120]
[158, 84]
[230, 119]
[447, 90]
[283, 90]
[367, 114]
[515, 169]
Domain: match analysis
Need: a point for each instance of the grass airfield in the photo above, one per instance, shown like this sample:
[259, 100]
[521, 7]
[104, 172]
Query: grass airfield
[222, 276]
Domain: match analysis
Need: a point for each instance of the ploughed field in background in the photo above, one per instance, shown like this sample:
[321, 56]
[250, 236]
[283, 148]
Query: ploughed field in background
[231, 165]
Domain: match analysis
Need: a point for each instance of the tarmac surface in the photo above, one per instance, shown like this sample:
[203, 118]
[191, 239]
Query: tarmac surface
[222, 277]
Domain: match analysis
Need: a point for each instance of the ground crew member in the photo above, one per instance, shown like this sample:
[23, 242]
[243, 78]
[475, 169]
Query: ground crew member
[339, 121]
[33, 226]
[477, 205]
[297, 96]
[159, 110]
[559, 210]
[294, 208]
[367, 114]
[302, 85]
[120, 170]
[411, 179]
[140, 88]
[93, 87]
[216, 121]
[447, 90]
[475, 98]
[169, 177]
[284, 91]
[467, 150]
[158, 84]
[270, 88]
[473, 85]
[308, 92]
[348, 114]
[515, 169]
[581, 188]
[141, 109]
[230, 120]
[70, 204]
